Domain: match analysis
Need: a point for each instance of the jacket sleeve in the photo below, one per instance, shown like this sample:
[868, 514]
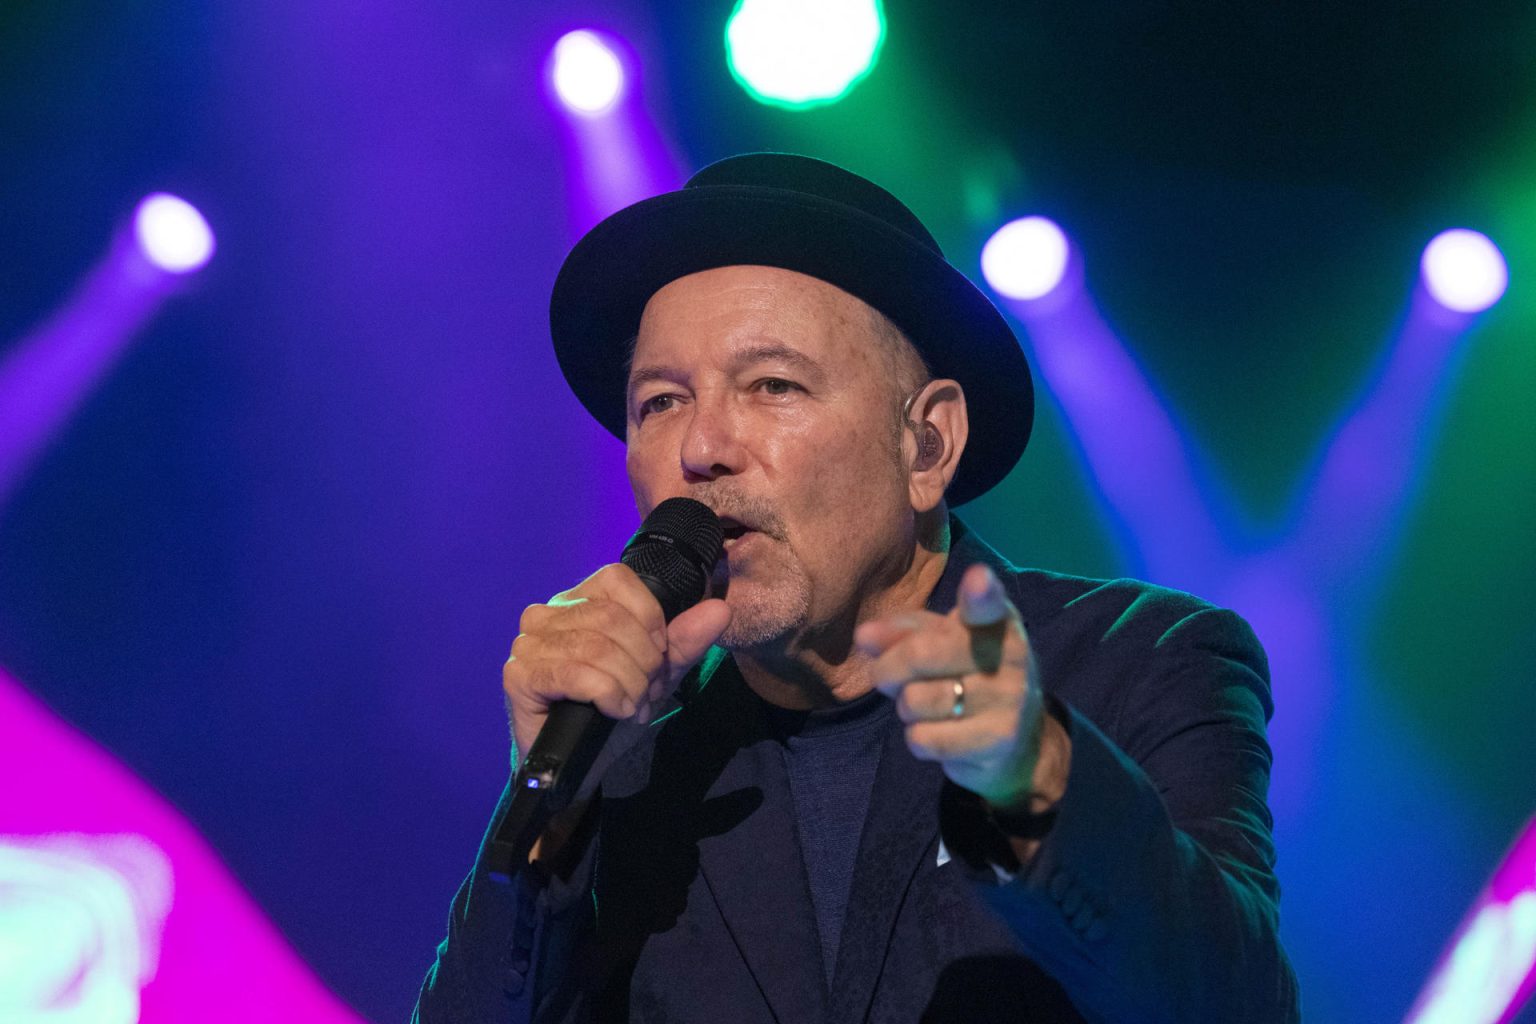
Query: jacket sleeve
[1153, 897]
[483, 968]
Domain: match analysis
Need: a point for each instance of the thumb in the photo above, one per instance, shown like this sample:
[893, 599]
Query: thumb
[690, 634]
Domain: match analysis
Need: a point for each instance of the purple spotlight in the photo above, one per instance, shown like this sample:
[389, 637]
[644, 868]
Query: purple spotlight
[1025, 258]
[1464, 271]
[172, 234]
[587, 73]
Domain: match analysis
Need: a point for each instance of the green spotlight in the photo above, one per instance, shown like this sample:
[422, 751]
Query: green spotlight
[803, 53]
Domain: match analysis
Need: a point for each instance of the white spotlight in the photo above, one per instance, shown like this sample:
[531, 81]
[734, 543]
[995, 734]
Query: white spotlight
[172, 234]
[1025, 258]
[588, 74]
[1464, 270]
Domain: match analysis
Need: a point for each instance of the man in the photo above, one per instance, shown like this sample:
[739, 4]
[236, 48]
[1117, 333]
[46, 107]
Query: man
[882, 774]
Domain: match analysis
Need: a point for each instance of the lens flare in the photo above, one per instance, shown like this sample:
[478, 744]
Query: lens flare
[1464, 270]
[172, 234]
[588, 74]
[1025, 258]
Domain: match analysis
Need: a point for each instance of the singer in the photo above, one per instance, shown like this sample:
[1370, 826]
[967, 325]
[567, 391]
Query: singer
[880, 773]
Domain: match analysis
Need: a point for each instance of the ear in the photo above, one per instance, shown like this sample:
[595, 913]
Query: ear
[932, 440]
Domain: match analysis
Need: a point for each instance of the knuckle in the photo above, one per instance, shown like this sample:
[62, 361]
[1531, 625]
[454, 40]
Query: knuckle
[615, 577]
[615, 619]
[581, 681]
[919, 699]
[928, 646]
[886, 671]
[609, 572]
[924, 741]
[532, 615]
[1000, 731]
[587, 645]
[651, 659]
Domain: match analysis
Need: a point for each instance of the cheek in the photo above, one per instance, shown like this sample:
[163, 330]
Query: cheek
[849, 480]
[642, 477]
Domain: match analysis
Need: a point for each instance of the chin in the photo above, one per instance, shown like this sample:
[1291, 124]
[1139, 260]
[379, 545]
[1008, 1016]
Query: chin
[761, 619]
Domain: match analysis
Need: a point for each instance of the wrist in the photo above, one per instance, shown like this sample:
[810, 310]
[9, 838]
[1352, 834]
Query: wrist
[1040, 783]
[1026, 819]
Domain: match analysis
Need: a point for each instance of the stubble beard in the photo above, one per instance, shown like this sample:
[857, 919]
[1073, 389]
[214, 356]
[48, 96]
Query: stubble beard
[770, 610]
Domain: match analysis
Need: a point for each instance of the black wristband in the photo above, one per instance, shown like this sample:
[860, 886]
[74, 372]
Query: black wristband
[1022, 824]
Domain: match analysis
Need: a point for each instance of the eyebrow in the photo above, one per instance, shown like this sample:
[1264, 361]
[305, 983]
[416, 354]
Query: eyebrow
[763, 352]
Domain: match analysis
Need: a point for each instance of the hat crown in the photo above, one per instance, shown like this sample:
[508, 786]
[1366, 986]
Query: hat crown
[791, 172]
[812, 217]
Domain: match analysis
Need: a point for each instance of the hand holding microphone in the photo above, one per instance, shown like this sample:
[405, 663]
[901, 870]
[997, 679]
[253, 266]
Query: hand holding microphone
[609, 648]
[612, 641]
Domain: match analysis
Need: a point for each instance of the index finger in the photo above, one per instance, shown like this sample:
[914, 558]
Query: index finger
[621, 585]
[877, 636]
[982, 600]
[985, 610]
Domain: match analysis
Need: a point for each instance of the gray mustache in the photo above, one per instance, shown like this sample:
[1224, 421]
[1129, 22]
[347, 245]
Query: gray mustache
[758, 513]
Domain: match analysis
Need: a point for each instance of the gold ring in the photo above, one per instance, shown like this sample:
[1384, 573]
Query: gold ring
[958, 708]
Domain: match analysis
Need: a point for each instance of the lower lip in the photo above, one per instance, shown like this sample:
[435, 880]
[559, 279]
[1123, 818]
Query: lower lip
[731, 543]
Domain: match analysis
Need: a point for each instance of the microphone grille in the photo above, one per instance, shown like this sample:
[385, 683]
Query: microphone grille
[675, 550]
[691, 522]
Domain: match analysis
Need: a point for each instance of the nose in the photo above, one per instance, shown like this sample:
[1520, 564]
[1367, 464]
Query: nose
[711, 444]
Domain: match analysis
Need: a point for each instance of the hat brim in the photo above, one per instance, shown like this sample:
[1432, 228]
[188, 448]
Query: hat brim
[614, 270]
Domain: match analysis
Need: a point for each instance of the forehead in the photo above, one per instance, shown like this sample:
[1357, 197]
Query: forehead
[720, 311]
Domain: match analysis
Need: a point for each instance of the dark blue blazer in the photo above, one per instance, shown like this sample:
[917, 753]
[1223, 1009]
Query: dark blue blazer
[1153, 898]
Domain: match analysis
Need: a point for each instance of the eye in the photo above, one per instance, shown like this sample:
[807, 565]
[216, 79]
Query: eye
[656, 403]
[777, 386]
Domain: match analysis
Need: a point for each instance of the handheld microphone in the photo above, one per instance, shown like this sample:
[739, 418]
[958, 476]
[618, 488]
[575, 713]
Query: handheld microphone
[674, 553]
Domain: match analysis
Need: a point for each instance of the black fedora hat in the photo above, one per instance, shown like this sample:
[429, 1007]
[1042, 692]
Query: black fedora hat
[802, 214]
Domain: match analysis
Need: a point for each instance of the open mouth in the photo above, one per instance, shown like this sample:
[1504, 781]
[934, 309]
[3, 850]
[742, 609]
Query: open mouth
[733, 531]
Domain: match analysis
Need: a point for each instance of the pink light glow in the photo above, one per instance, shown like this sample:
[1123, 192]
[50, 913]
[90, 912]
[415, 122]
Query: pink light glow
[219, 958]
[80, 923]
[1490, 969]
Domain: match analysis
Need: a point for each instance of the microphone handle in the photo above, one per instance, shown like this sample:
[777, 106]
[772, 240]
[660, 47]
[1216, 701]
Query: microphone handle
[572, 736]
[568, 742]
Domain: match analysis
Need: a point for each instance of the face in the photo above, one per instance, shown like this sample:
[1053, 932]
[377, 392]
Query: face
[766, 394]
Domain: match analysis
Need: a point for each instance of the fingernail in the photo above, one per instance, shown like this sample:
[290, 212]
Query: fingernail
[626, 708]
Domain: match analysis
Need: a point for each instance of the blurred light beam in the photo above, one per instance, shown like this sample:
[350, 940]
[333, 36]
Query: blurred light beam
[611, 158]
[614, 154]
[1141, 463]
[1348, 513]
[47, 375]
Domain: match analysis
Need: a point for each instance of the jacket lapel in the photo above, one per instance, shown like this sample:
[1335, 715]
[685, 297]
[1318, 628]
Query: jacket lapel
[752, 864]
[748, 843]
[901, 831]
